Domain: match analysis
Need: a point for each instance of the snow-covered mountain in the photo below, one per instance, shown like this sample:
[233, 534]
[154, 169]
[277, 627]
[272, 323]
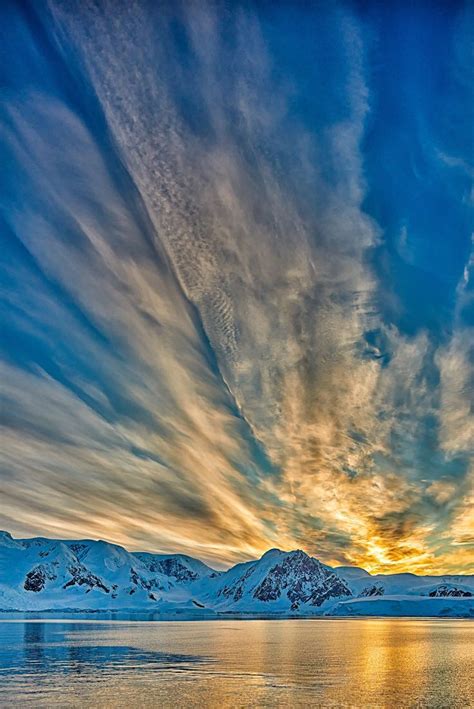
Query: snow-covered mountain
[40, 574]
[45, 574]
[363, 584]
[278, 582]
[405, 594]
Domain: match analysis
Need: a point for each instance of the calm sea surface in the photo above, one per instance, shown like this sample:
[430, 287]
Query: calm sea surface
[288, 663]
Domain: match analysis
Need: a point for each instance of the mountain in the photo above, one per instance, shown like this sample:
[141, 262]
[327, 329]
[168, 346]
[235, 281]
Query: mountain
[361, 583]
[42, 574]
[405, 594]
[278, 582]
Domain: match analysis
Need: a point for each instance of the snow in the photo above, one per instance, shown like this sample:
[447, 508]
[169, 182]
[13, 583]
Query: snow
[405, 606]
[349, 572]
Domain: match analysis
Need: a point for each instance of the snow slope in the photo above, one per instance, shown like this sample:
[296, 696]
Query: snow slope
[181, 568]
[405, 606]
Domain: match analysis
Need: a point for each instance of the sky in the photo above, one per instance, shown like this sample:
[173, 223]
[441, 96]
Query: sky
[236, 278]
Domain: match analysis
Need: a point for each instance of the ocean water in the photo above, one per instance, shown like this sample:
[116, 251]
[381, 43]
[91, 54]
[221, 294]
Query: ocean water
[232, 663]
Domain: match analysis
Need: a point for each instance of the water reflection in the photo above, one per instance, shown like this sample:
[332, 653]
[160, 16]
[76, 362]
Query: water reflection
[68, 648]
[378, 662]
[424, 657]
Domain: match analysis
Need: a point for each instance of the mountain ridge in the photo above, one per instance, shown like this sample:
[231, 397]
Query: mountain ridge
[40, 574]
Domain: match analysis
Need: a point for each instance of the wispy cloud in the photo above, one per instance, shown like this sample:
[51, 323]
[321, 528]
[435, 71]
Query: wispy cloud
[220, 376]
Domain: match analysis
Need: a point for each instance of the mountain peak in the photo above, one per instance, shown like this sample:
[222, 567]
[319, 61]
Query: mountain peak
[272, 553]
[299, 554]
[276, 553]
[279, 581]
[6, 540]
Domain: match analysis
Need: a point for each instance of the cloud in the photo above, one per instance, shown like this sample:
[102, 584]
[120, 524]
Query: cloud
[456, 365]
[149, 388]
[212, 371]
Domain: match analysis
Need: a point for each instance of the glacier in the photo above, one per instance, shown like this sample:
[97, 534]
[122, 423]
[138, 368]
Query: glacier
[41, 574]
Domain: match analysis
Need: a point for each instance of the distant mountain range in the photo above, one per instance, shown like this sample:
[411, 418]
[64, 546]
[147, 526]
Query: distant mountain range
[52, 575]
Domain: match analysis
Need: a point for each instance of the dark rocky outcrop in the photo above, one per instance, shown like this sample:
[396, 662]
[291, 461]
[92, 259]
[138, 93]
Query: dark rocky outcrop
[80, 576]
[374, 590]
[36, 578]
[449, 592]
[303, 579]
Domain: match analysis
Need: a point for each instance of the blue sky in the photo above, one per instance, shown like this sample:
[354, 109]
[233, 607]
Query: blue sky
[236, 278]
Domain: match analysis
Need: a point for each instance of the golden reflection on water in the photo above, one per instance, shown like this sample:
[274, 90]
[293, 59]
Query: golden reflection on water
[414, 655]
[343, 663]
